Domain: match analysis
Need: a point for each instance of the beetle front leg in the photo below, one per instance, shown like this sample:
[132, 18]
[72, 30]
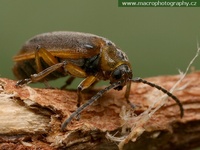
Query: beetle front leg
[127, 93]
[86, 83]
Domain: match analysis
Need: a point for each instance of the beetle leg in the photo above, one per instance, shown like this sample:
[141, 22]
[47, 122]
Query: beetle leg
[75, 70]
[39, 76]
[37, 61]
[93, 84]
[47, 57]
[127, 93]
[84, 85]
[68, 82]
[45, 72]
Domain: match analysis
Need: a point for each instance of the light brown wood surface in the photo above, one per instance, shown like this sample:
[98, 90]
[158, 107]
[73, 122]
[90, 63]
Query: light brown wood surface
[30, 118]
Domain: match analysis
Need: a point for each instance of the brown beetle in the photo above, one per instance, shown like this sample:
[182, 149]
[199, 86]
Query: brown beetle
[57, 54]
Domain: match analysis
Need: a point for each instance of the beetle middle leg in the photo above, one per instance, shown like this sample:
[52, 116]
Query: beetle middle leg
[78, 72]
[86, 83]
[68, 82]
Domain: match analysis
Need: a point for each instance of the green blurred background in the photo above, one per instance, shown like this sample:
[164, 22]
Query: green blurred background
[158, 41]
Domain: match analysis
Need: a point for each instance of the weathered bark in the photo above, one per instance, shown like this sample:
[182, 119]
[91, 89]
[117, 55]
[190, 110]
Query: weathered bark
[30, 118]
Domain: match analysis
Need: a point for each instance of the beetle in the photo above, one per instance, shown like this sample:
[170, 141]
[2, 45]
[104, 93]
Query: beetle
[52, 55]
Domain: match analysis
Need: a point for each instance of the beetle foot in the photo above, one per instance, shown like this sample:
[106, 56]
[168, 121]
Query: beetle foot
[134, 106]
[20, 83]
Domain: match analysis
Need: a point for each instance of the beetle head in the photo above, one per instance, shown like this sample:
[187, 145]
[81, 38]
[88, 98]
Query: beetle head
[122, 73]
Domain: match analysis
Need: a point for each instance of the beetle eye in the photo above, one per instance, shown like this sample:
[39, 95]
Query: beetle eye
[117, 74]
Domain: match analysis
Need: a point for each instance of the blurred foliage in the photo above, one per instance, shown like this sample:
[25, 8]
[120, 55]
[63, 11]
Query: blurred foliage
[157, 41]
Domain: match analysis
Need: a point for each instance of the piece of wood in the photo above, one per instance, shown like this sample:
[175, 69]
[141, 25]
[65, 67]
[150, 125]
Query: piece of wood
[30, 118]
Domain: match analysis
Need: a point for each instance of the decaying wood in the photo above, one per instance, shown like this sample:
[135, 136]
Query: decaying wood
[30, 118]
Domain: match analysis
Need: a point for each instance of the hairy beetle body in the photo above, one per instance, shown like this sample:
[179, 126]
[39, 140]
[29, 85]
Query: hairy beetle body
[52, 55]
[81, 49]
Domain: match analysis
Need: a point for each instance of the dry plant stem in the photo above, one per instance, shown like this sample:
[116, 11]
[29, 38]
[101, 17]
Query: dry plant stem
[30, 118]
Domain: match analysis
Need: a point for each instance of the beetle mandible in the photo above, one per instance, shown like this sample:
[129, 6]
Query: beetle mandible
[52, 55]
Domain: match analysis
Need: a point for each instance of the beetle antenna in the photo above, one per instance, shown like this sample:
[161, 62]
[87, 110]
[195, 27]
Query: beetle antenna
[140, 80]
[89, 102]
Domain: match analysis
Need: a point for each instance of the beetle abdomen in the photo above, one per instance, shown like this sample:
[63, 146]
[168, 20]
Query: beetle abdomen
[24, 69]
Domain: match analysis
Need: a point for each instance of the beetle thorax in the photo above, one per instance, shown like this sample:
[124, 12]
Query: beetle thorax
[114, 64]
